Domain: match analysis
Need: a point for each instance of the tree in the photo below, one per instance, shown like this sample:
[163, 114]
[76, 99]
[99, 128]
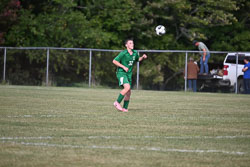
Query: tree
[8, 16]
[56, 24]
[234, 37]
[185, 21]
[221, 24]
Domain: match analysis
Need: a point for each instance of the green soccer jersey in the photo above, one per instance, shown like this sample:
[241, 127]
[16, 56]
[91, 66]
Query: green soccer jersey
[127, 60]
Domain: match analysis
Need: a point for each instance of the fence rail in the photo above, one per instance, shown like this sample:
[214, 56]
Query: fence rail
[48, 49]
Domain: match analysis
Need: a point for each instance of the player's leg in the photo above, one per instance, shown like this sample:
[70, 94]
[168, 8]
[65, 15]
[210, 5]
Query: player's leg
[126, 89]
[127, 95]
[126, 101]
[123, 81]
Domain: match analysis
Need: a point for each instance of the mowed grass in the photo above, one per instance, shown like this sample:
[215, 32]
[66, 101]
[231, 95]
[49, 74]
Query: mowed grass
[54, 126]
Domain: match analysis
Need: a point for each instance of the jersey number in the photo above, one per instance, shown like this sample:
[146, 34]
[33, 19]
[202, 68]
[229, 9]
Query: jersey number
[130, 63]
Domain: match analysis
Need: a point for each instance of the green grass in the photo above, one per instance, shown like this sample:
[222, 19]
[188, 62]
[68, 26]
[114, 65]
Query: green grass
[54, 126]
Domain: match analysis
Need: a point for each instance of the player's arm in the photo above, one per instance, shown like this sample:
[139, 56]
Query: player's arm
[118, 64]
[144, 56]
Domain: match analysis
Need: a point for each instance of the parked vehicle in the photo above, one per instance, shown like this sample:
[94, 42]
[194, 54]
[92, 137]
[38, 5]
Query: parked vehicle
[233, 72]
[211, 82]
[225, 79]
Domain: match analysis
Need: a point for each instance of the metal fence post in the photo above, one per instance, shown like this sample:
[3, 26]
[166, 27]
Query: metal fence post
[4, 64]
[47, 69]
[90, 64]
[186, 71]
[236, 74]
[137, 74]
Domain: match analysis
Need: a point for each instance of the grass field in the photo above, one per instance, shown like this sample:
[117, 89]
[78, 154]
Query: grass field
[54, 126]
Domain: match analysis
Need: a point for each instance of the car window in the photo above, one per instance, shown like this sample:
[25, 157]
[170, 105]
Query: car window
[232, 59]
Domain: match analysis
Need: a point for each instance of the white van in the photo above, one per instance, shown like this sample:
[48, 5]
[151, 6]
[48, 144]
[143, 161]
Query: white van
[232, 72]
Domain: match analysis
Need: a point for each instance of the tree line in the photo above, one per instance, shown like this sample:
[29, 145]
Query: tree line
[223, 25]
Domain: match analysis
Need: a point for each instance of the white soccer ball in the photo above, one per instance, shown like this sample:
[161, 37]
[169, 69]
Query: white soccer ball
[160, 30]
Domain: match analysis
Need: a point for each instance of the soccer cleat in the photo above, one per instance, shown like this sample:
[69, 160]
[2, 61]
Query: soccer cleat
[124, 110]
[117, 106]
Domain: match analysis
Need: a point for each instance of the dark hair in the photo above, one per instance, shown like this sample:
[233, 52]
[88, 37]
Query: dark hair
[126, 41]
[194, 42]
[246, 58]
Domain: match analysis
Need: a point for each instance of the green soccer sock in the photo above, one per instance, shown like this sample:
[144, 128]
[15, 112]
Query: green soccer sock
[125, 105]
[120, 98]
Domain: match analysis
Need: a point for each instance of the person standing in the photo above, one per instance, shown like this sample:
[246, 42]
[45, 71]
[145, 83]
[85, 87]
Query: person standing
[125, 62]
[192, 72]
[246, 75]
[205, 55]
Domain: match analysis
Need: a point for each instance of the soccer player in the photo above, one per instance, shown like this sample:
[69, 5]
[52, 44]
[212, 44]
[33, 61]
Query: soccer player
[125, 61]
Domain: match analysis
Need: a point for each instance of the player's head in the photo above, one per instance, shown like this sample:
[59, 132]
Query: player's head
[129, 43]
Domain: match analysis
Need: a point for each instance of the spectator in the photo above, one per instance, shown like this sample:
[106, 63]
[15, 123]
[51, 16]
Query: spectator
[192, 72]
[205, 55]
[246, 75]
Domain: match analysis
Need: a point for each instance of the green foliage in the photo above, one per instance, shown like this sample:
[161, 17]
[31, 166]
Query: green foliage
[105, 24]
[220, 24]
[233, 38]
[8, 16]
[188, 18]
[48, 29]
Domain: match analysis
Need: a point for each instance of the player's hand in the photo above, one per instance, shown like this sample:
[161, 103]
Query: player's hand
[125, 69]
[144, 56]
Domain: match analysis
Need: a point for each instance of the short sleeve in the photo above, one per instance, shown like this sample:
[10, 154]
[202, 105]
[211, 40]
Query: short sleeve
[119, 57]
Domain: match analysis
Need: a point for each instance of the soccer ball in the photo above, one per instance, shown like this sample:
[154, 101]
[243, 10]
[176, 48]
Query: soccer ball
[160, 30]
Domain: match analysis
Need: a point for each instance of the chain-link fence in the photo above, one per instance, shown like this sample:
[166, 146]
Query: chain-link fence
[164, 69]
